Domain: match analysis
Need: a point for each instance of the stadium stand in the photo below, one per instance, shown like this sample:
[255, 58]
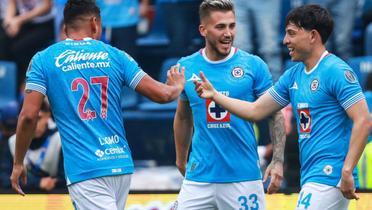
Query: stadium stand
[8, 82]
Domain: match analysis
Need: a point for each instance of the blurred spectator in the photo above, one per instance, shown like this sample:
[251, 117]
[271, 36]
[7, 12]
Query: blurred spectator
[365, 161]
[343, 13]
[8, 123]
[119, 20]
[58, 6]
[368, 95]
[27, 27]
[44, 158]
[3, 4]
[367, 12]
[365, 168]
[181, 23]
[262, 18]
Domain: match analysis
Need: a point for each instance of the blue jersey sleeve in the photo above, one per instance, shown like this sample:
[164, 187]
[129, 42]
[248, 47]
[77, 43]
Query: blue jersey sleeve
[345, 87]
[35, 76]
[280, 91]
[263, 78]
[132, 73]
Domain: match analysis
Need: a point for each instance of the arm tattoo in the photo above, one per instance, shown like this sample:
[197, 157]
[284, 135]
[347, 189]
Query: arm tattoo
[277, 135]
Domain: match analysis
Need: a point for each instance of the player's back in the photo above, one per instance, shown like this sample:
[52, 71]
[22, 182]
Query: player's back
[82, 80]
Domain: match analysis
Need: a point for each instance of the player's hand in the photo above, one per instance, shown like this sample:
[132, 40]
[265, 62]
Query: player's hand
[19, 171]
[47, 183]
[144, 9]
[204, 88]
[347, 186]
[13, 26]
[275, 171]
[175, 77]
[181, 167]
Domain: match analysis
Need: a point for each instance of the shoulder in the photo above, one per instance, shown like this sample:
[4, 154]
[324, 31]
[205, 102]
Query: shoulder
[191, 58]
[335, 68]
[248, 57]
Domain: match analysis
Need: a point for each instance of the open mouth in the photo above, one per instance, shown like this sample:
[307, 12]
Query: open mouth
[291, 50]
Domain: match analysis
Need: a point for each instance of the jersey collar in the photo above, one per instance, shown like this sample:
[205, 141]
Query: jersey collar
[231, 54]
[85, 39]
[325, 53]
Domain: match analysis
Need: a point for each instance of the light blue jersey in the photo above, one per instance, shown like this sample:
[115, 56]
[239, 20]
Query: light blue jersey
[83, 81]
[224, 147]
[319, 99]
[119, 13]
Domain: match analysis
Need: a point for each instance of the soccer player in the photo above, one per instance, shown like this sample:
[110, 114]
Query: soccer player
[83, 78]
[331, 111]
[223, 168]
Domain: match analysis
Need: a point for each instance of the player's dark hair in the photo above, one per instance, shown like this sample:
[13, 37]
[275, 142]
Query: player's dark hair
[208, 6]
[78, 9]
[312, 16]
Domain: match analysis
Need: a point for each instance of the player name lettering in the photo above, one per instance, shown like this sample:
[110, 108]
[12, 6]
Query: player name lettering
[70, 56]
[108, 140]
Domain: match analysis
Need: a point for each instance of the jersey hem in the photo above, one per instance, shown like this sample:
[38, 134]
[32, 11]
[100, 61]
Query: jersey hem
[222, 181]
[72, 179]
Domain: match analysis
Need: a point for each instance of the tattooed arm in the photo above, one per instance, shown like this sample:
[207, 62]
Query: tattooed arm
[275, 168]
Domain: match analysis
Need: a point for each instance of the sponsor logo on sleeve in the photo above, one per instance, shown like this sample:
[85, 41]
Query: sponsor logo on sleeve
[350, 77]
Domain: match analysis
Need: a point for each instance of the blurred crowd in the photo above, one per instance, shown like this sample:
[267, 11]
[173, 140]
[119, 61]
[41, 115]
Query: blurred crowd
[154, 31]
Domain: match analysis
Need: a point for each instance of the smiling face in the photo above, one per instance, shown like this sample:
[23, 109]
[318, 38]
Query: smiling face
[218, 29]
[299, 42]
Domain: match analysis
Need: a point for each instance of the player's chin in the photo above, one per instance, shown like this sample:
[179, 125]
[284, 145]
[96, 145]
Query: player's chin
[224, 50]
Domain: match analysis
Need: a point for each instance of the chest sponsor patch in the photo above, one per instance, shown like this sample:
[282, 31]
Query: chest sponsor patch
[215, 113]
[304, 120]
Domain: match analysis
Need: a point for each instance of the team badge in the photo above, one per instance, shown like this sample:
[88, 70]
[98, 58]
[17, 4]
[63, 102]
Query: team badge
[350, 77]
[328, 169]
[304, 120]
[314, 85]
[237, 72]
[215, 113]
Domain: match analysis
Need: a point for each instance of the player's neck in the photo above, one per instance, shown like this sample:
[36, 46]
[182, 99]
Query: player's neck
[314, 58]
[212, 55]
[79, 35]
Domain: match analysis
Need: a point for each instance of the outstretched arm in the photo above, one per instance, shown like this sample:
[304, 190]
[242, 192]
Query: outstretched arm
[163, 93]
[252, 111]
[183, 128]
[275, 168]
[25, 130]
[359, 134]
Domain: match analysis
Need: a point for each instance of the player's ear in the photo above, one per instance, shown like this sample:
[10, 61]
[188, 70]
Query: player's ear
[314, 35]
[95, 27]
[202, 30]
